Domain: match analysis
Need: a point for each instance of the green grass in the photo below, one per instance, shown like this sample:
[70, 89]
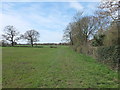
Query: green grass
[54, 68]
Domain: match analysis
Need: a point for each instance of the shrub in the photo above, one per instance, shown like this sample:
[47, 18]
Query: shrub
[111, 37]
[98, 40]
[106, 54]
[53, 46]
[39, 46]
[109, 55]
[88, 50]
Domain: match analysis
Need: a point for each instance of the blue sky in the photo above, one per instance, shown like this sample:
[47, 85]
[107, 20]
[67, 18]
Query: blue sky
[49, 18]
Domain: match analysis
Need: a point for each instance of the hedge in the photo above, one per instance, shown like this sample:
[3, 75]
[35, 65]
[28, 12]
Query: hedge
[109, 55]
[106, 54]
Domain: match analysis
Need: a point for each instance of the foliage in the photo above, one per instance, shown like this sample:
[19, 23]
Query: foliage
[111, 36]
[53, 46]
[88, 50]
[103, 26]
[98, 40]
[109, 55]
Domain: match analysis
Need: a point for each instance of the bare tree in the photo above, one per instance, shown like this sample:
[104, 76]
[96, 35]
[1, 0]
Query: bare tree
[71, 31]
[68, 34]
[79, 31]
[31, 36]
[109, 8]
[88, 26]
[85, 27]
[10, 34]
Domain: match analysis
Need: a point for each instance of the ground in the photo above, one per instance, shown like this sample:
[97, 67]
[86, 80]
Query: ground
[25, 67]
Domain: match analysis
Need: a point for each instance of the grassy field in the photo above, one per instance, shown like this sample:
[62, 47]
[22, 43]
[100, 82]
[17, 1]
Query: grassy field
[53, 68]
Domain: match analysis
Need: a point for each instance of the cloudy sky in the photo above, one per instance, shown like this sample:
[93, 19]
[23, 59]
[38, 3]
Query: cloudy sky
[49, 18]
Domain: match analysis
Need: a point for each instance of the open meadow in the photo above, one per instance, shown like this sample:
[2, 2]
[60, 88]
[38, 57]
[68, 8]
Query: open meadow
[61, 67]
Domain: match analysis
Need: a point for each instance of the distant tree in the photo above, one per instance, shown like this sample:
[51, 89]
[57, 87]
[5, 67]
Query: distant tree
[31, 36]
[10, 34]
[68, 34]
[4, 43]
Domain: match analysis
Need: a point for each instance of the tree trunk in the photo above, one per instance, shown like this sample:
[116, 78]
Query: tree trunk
[71, 41]
[32, 44]
[12, 41]
[31, 41]
[86, 39]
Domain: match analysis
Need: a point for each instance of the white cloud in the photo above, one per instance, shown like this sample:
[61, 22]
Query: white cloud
[19, 21]
[76, 5]
[91, 6]
[47, 36]
[50, 24]
[7, 6]
[16, 21]
[22, 26]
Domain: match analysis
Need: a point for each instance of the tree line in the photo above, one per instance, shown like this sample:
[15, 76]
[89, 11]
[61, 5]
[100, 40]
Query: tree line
[84, 28]
[97, 34]
[12, 35]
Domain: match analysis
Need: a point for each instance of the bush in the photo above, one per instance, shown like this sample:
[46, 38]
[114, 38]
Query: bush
[106, 54]
[38, 46]
[112, 36]
[53, 46]
[109, 55]
[82, 49]
[88, 50]
[98, 40]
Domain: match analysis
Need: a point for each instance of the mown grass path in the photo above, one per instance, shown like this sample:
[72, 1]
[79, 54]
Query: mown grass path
[54, 68]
